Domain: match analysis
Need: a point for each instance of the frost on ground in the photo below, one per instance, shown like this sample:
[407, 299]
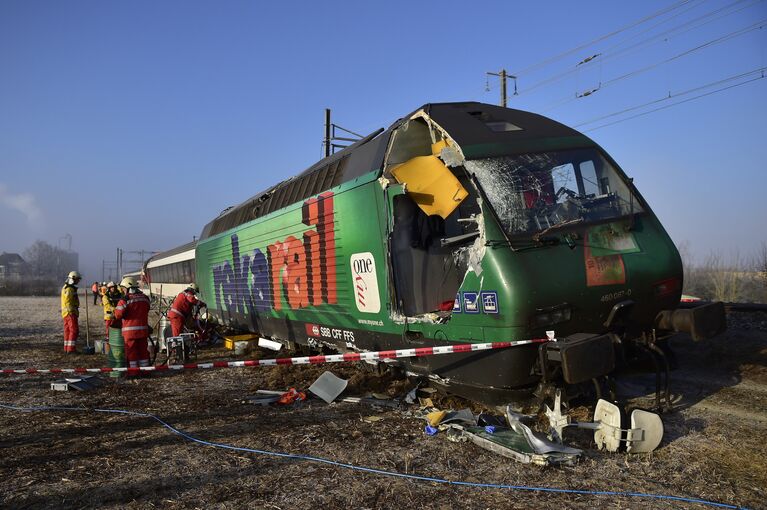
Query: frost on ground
[713, 448]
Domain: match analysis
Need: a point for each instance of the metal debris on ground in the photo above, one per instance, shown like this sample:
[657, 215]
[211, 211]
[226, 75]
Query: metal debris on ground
[261, 400]
[512, 439]
[84, 383]
[372, 401]
[645, 434]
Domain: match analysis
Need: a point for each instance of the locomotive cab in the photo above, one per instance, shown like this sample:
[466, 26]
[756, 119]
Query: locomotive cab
[542, 231]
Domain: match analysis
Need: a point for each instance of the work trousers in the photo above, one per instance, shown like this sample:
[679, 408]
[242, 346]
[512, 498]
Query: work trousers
[71, 332]
[137, 352]
[95, 297]
[107, 323]
[176, 324]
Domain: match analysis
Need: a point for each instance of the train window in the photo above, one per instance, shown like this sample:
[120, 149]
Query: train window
[562, 176]
[589, 177]
[534, 192]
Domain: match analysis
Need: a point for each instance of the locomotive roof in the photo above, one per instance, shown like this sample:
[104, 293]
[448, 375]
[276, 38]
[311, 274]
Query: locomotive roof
[478, 128]
[173, 251]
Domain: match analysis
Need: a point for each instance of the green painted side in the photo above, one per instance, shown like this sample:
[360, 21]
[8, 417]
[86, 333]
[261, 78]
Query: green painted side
[359, 214]
[534, 277]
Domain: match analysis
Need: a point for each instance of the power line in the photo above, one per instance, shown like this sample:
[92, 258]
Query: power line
[607, 55]
[756, 26]
[602, 38]
[671, 96]
[675, 104]
[726, 37]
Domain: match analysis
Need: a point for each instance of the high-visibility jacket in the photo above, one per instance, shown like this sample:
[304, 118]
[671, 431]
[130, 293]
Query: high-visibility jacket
[70, 302]
[103, 290]
[133, 309]
[109, 302]
[182, 305]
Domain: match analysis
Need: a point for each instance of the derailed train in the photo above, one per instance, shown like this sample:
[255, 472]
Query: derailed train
[462, 222]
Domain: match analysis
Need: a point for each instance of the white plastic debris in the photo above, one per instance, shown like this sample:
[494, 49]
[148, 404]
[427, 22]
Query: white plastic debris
[328, 386]
[269, 344]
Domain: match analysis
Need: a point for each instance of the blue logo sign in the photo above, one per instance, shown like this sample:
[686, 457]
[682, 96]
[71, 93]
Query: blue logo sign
[471, 302]
[457, 303]
[490, 301]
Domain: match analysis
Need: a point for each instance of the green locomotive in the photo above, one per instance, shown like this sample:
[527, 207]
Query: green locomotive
[462, 222]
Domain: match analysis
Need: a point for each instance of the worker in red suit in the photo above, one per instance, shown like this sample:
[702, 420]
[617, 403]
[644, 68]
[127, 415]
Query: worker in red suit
[133, 311]
[181, 309]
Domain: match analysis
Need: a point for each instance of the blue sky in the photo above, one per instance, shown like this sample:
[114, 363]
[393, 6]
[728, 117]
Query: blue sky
[132, 124]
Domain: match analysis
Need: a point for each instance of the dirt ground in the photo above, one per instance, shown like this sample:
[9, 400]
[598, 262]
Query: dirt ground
[714, 447]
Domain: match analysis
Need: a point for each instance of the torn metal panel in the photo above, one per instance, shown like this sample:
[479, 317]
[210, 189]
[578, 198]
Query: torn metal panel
[514, 444]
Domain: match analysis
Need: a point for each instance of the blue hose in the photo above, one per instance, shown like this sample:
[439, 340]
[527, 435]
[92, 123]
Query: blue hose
[374, 470]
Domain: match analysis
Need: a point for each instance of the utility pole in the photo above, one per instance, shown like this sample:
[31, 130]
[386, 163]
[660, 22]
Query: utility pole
[326, 142]
[330, 136]
[504, 75]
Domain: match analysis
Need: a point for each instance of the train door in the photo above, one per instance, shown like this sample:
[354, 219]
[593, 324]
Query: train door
[428, 242]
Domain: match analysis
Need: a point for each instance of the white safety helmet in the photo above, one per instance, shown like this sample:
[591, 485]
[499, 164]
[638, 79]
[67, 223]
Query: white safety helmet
[193, 287]
[74, 275]
[111, 284]
[128, 282]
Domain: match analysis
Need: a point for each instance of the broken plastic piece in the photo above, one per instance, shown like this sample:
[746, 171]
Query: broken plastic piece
[431, 185]
[608, 415]
[269, 344]
[430, 431]
[435, 417]
[290, 396]
[328, 386]
[651, 427]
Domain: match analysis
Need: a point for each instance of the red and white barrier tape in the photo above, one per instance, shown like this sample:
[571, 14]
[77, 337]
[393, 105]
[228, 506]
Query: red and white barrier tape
[305, 360]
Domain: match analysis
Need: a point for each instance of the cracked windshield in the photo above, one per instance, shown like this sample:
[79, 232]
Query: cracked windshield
[534, 192]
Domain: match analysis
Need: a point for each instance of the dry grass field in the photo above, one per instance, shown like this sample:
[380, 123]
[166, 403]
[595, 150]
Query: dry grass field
[714, 448]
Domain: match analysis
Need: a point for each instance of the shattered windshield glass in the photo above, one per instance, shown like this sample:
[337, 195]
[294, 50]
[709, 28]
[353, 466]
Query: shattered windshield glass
[534, 192]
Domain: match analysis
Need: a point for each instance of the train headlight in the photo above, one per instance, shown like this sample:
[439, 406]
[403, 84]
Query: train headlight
[552, 315]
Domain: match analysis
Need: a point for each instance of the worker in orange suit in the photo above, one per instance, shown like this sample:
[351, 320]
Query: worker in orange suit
[181, 309]
[70, 311]
[133, 311]
[95, 292]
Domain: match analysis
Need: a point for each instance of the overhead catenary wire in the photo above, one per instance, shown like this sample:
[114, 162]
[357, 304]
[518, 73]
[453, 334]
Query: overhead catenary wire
[376, 471]
[601, 38]
[675, 104]
[756, 26]
[672, 96]
[610, 53]
[636, 72]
